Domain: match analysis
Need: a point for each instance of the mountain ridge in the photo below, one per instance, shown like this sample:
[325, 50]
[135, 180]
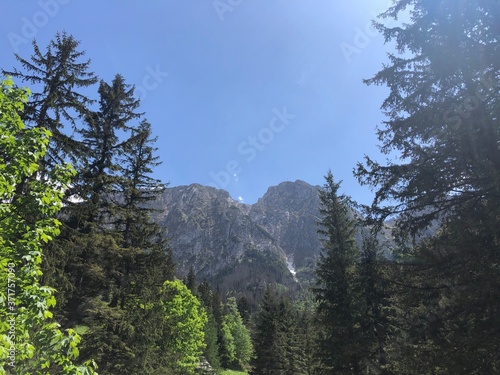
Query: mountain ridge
[241, 247]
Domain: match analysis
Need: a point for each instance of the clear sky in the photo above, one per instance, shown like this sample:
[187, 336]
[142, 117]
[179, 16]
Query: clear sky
[242, 94]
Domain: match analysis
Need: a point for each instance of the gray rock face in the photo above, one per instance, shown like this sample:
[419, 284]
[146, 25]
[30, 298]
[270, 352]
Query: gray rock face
[290, 212]
[214, 234]
[208, 229]
[243, 247]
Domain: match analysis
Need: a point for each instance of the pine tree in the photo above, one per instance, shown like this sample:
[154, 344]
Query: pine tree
[443, 111]
[337, 291]
[89, 223]
[276, 338]
[190, 280]
[307, 333]
[150, 261]
[264, 357]
[99, 180]
[244, 309]
[56, 104]
[119, 257]
[377, 308]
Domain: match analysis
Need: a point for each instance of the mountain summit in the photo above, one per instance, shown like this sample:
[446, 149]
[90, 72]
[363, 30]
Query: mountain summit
[242, 247]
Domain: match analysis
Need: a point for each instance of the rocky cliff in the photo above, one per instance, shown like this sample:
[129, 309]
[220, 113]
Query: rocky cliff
[243, 247]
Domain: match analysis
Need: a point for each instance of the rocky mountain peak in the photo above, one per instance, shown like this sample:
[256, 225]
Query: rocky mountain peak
[242, 247]
[289, 194]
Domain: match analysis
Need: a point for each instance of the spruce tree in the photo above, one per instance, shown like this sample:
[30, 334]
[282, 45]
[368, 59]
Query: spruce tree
[264, 357]
[442, 125]
[442, 113]
[119, 257]
[337, 291]
[149, 262]
[57, 76]
[277, 342]
[377, 309]
[307, 333]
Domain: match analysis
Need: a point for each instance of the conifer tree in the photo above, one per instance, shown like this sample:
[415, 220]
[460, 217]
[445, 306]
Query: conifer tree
[149, 262]
[307, 333]
[377, 308]
[120, 258]
[442, 124]
[244, 308]
[442, 113]
[56, 104]
[277, 343]
[190, 280]
[99, 179]
[337, 291]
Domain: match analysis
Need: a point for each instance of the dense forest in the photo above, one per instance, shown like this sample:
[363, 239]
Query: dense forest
[88, 283]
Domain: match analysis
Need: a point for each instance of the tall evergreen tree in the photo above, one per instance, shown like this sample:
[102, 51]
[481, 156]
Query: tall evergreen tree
[307, 333]
[119, 257]
[443, 111]
[149, 262]
[56, 77]
[377, 308]
[190, 280]
[245, 310]
[337, 290]
[276, 338]
[99, 180]
[92, 268]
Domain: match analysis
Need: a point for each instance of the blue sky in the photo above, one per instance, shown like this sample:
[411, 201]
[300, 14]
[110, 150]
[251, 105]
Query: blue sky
[242, 94]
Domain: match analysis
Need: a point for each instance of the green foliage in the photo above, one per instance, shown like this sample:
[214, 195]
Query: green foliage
[30, 342]
[110, 258]
[337, 291]
[442, 113]
[227, 345]
[277, 341]
[59, 73]
[376, 308]
[442, 126]
[237, 336]
[183, 330]
[211, 351]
